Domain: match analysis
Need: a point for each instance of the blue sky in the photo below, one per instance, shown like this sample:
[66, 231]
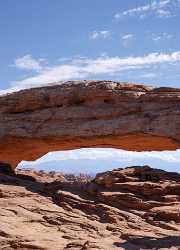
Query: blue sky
[94, 160]
[46, 41]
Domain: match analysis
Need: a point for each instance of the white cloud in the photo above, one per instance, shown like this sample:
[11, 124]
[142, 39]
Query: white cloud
[102, 34]
[149, 75]
[127, 36]
[164, 13]
[156, 38]
[93, 160]
[161, 8]
[161, 36]
[126, 39]
[104, 153]
[87, 68]
[28, 63]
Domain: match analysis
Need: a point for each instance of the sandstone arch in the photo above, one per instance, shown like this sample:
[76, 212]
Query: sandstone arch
[88, 114]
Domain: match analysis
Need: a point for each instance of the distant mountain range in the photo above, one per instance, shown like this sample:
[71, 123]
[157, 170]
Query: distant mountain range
[93, 166]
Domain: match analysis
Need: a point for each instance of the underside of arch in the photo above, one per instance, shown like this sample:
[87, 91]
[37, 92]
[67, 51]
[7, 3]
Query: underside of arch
[13, 150]
[88, 114]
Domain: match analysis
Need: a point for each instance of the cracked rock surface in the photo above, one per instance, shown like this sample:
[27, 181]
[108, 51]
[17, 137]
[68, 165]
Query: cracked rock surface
[133, 208]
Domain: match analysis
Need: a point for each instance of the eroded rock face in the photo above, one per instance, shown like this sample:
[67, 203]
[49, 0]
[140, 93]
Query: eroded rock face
[88, 114]
[132, 208]
[141, 188]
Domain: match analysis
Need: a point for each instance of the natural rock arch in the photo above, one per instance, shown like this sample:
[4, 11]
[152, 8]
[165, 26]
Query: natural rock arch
[88, 114]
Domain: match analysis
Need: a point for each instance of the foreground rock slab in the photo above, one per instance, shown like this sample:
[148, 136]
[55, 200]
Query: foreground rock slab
[133, 208]
[88, 114]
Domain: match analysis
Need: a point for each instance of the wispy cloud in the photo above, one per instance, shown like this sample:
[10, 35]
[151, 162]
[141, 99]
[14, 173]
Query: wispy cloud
[28, 63]
[86, 68]
[126, 39]
[101, 34]
[161, 36]
[162, 8]
[149, 75]
[164, 13]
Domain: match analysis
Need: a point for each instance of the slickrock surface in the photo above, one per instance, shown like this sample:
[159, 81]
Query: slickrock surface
[88, 114]
[132, 209]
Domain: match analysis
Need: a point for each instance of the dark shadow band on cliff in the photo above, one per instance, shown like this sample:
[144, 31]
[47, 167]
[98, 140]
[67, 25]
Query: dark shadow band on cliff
[8, 176]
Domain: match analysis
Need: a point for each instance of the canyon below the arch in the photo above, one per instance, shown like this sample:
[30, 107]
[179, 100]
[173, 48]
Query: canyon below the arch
[133, 208]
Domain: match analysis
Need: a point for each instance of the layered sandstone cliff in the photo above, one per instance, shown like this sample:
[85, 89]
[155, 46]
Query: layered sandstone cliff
[88, 114]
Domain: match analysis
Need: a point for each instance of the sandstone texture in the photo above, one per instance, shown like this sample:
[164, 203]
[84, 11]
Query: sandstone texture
[88, 114]
[133, 208]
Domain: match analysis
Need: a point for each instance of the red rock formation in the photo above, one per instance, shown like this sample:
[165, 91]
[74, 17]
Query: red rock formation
[88, 114]
[132, 208]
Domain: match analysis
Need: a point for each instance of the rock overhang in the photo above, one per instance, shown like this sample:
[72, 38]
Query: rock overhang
[88, 114]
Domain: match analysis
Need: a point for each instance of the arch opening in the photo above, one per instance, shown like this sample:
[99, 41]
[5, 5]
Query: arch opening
[90, 161]
[14, 150]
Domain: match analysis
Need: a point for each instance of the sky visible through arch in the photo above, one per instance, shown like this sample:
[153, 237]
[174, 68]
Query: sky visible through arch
[94, 160]
[46, 41]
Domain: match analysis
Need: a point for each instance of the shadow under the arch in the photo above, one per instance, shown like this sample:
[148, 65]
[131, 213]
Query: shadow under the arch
[146, 243]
